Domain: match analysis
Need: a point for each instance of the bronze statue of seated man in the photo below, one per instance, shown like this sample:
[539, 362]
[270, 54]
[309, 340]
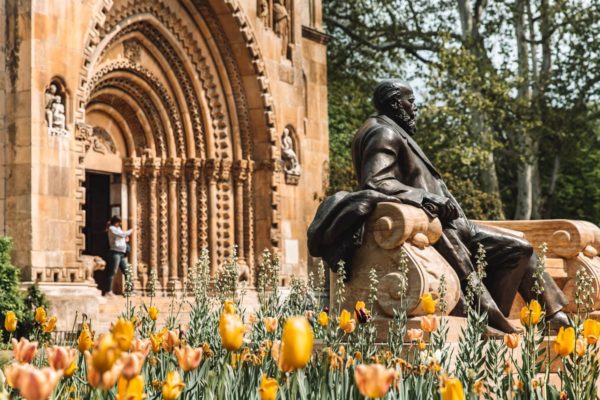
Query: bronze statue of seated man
[390, 164]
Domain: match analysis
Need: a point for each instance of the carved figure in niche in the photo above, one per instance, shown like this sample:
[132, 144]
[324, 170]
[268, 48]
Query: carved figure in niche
[263, 10]
[55, 111]
[281, 24]
[391, 167]
[291, 165]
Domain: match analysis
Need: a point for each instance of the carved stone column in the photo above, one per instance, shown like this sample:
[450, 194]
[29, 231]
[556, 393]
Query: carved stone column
[192, 170]
[132, 168]
[173, 171]
[240, 175]
[211, 169]
[152, 171]
[249, 219]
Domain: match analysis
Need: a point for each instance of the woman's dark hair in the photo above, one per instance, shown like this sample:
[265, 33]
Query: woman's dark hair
[115, 219]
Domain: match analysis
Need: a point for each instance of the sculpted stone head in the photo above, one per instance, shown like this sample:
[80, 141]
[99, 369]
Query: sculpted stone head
[396, 99]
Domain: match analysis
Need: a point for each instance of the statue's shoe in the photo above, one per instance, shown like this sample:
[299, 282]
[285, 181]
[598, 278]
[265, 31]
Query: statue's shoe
[557, 320]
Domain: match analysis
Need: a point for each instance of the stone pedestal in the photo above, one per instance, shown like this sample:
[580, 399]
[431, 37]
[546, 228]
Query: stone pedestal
[391, 230]
[71, 300]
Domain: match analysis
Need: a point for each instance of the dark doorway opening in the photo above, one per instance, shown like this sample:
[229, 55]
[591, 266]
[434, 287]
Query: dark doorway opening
[97, 213]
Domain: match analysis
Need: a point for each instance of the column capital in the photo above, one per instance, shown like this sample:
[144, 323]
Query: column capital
[211, 169]
[225, 172]
[192, 168]
[240, 170]
[173, 168]
[132, 167]
[152, 167]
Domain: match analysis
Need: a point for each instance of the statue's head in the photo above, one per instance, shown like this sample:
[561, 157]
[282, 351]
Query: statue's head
[52, 89]
[396, 99]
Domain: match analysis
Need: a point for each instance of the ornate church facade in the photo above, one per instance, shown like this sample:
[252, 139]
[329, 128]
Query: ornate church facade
[202, 123]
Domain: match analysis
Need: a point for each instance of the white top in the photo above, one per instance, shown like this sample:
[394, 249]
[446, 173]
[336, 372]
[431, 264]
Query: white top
[116, 238]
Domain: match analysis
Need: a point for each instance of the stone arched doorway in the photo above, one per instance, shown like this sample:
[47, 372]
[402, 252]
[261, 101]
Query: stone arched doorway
[173, 102]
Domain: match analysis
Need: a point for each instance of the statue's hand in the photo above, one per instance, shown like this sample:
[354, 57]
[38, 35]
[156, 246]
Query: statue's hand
[442, 207]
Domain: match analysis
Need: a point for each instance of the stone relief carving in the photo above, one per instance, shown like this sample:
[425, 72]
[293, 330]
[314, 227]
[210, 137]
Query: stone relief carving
[101, 141]
[132, 49]
[262, 11]
[289, 155]
[56, 121]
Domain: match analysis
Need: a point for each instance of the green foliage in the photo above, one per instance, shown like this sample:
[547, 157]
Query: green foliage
[10, 296]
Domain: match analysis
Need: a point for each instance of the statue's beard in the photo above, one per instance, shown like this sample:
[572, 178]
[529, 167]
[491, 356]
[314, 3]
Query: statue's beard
[403, 118]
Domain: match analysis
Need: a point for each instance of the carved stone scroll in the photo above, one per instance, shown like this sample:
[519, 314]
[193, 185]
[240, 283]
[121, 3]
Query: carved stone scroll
[391, 230]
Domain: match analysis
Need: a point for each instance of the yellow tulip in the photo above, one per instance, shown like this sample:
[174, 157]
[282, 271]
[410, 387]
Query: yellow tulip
[130, 389]
[173, 386]
[511, 340]
[231, 330]
[428, 303]
[10, 322]
[347, 324]
[361, 314]
[50, 325]
[452, 389]
[229, 307]
[323, 319]
[123, 332]
[156, 340]
[531, 314]
[153, 313]
[85, 340]
[373, 380]
[564, 344]
[70, 370]
[297, 343]
[40, 315]
[268, 388]
[591, 330]
[105, 354]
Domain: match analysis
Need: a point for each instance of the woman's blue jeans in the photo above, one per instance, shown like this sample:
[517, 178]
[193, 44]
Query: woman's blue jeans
[115, 259]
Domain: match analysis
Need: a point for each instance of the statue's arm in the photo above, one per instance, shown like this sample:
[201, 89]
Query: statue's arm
[380, 172]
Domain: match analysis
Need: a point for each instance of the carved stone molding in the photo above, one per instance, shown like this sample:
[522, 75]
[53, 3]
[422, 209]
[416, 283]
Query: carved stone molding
[132, 50]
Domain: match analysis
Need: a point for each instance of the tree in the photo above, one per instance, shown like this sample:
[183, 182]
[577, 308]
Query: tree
[495, 83]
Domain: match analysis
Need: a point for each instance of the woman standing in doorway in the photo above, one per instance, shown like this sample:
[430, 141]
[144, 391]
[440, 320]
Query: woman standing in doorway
[117, 241]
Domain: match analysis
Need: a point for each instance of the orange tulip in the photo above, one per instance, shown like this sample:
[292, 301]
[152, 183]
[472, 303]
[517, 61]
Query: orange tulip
[61, 358]
[270, 324]
[231, 330]
[429, 323]
[170, 340]
[511, 340]
[24, 351]
[591, 330]
[132, 364]
[188, 358]
[10, 322]
[373, 380]
[580, 347]
[130, 389]
[564, 343]
[141, 346]
[414, 334]
[105, 354]
[32, 383]
[173, 386]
